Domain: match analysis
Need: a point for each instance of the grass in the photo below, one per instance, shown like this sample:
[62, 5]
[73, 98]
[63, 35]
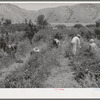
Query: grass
[87, 59]
[8, 59]
[34, 73]
[24, 47]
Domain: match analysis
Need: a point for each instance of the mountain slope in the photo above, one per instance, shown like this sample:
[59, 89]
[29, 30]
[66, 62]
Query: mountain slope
[83, 13]
[15, 13]
[79, 13]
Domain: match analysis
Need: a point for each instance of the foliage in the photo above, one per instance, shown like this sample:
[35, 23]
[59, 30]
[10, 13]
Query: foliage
[98, 23]
[41, 22]
[78, 26]
[30, 30]
[33, 74]
[16, 37]
[47, 35]
[72, 32]
[91, 26]
[38, 68]
[12, 28]
[97, 32]
[86, 61]
[60, 26]
[24, 48]
[87, 33]
[7, 22]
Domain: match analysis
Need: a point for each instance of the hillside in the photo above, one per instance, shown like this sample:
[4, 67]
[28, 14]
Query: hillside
[79, 13]
[15, 13]
[82, 13]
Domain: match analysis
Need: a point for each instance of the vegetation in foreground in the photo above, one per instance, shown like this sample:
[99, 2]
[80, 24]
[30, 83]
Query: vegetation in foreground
[37, 69]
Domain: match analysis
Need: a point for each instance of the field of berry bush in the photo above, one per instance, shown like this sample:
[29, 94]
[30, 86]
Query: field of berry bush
[39, 67]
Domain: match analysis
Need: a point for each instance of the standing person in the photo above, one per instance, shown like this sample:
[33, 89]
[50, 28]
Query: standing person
[93, 47]
[75, 42]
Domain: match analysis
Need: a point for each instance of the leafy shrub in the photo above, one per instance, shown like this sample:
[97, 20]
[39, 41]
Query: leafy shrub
[16, 37]
[12, 28]
[6, 61]
[98, 23]
[87, 33]
[78, 26]
[60, 26]
[41, 22]
[72, 32]
[30, 31]
[91, 26]
[86, 59]
[43, 35]
[33, 74]
[24, 47]
[97, 33]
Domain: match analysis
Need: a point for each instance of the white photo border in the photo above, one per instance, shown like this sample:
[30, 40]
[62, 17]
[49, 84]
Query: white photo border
[30, 93]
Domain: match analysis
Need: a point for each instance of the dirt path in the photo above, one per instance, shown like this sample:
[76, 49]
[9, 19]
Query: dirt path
[61, 77]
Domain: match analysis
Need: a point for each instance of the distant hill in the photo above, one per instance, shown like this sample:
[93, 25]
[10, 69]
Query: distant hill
[79, 13]
[15, 13]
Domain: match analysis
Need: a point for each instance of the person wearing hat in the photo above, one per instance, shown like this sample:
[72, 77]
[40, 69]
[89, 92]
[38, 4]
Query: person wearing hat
[93, 45]
[75, 42]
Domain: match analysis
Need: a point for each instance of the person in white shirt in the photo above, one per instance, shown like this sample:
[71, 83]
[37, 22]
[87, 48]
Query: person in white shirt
[75, 44]
[93, 45]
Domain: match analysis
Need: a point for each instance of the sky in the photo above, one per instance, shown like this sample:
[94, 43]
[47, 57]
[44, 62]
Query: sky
[37, 6]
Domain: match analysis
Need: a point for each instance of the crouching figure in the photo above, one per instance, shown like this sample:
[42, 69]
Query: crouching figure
[56, 43]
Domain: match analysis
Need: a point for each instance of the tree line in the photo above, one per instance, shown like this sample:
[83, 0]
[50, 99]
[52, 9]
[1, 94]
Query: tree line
[28, 27]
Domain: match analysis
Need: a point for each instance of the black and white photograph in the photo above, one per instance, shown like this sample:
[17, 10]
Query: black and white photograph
[49, 45]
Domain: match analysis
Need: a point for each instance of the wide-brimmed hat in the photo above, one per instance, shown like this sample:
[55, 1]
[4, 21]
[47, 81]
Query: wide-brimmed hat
[36, 49]
[78, 35]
